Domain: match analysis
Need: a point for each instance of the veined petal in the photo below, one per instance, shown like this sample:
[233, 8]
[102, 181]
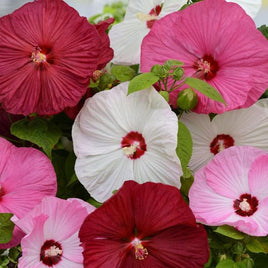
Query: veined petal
[32, 243]
[156, 202]
[126, 38]
[227, 172]
[258, 177]
[207, 44]
[208, 206]
[180, 246]
[102, 174]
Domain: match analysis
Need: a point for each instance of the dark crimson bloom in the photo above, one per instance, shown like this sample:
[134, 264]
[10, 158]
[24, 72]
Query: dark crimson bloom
[47, 55]
[144, 225]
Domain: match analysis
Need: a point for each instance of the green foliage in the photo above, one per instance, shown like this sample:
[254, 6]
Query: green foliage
[230, 231]
[264, 30]
[141, 82]
[184, 146]
[253, 245]
[122, 73]
[116, 10]
[68, 184]
[6, 227]
[39, 131]
[204, 88]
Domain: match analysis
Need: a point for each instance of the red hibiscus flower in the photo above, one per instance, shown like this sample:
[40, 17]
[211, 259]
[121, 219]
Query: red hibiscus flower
[147, 225]
[47, 56]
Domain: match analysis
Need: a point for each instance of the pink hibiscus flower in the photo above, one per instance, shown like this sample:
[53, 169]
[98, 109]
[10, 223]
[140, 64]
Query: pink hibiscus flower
[52, 234]
[232, 189]
[26, 176]
[147, 225]
[218, 43]
[47, 55]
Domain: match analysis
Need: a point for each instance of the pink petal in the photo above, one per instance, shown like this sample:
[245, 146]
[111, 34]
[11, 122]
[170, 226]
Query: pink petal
[32, 243]
[227, 172]
[26, 178]
[258, 177]
[208, 206]
[177, 37]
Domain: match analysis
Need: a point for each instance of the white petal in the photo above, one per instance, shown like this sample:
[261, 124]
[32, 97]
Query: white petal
[126, 38]
[102, 170]
[102, 174]
[171, 6]
[251, 7]
[203, 131]
[157, 167]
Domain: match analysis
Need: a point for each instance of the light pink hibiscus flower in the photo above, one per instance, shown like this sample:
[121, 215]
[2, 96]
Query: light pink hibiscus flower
[26, 176]
[232, 189]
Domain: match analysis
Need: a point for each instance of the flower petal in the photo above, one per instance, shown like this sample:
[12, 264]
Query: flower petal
[208, 206]
[180, 246]
[227, 172]
[258, 177]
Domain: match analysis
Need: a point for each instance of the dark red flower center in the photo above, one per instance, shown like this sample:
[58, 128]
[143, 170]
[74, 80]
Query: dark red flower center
[2, 192]
[246, 205]
[206, 67]
[41, 55]
[154, 14]
[51, 253]
[221, 142]
[133, 145]
[139, 250]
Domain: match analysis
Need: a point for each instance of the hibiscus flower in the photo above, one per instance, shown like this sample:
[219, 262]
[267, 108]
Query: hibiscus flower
[118, 137]
[147, 225]
[52, 234]
[239, 127]
[126, 37]
[47, 55]
[26, 176]
[232, 189]
[217, 42]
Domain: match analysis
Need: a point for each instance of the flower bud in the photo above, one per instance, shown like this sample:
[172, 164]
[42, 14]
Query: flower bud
[187, 99]
[164, 94]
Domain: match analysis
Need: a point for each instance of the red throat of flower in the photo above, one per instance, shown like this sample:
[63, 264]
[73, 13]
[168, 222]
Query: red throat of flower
[154, 13]
[206, 67]
[2, 192]
[221, 142]
[246, 205]
[133, 145]
[51, 253]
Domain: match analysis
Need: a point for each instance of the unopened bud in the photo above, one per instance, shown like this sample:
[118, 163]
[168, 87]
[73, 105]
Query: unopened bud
[187, 99]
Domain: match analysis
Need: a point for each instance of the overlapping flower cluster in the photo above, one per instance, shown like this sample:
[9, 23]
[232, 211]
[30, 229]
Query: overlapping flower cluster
[127, 153]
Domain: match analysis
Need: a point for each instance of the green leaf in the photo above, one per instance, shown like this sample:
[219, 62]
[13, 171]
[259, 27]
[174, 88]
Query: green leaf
[184, 146]
[264, 30]
[6, 227]
[38, 131]
[141, 82]
[227, 263]
[122, 73]
[205, 88]
[253, 245]
[230, 231]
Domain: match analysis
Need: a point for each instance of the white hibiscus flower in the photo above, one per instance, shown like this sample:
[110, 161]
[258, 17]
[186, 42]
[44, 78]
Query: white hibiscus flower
[238, 127]
[118, 137]
[126, 37]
